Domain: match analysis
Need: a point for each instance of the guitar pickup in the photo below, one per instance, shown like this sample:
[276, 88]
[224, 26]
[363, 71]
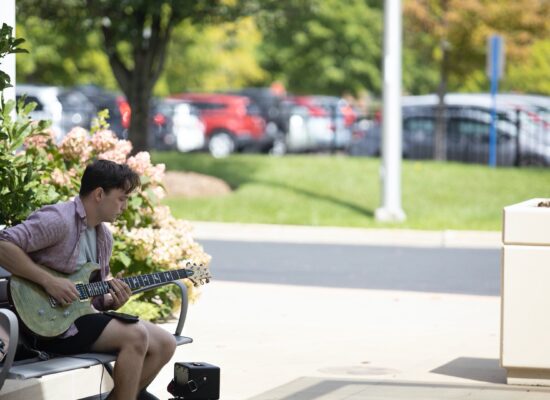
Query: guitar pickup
[53, 302]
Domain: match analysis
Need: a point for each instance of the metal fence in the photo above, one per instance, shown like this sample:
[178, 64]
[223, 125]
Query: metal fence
[523, 136]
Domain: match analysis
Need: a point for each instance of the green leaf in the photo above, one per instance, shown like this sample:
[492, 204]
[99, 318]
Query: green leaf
[136, 201]
[17, 42]
[8, 107]
[27, 108]
[144, 180]
[124, 259]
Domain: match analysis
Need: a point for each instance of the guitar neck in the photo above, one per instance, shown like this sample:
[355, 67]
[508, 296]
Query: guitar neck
[92, 289]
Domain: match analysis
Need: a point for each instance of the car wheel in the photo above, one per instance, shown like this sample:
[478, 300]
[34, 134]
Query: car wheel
[279, 147]
[221, 144]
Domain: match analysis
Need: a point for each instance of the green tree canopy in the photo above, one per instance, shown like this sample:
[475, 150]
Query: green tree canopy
[212, 57]
[532, 74]
[55, 58]
[458, 30]
[323, 46]
[135, 34]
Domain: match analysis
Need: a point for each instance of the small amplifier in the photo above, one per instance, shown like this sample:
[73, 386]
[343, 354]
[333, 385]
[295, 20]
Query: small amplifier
[196, 381]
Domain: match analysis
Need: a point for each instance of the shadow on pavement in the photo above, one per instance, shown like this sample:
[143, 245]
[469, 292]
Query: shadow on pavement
[307, 388]
[477, 369]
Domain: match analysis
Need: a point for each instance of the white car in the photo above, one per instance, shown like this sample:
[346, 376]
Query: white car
[183, 128]
[65, 108]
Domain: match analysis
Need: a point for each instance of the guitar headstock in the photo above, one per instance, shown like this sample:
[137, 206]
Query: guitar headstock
[197, 273]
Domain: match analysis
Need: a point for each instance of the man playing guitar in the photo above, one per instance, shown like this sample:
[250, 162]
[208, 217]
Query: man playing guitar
[64, 237]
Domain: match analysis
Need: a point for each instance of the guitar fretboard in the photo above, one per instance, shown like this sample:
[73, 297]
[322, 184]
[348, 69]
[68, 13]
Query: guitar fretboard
[134, 282]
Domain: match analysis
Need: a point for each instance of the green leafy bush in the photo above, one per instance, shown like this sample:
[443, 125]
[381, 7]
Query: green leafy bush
[20, 188]
[8, 45]
[147, 237]
[35, 171]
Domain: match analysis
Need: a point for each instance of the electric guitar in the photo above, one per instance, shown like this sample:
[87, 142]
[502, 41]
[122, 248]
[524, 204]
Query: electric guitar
[44, 316]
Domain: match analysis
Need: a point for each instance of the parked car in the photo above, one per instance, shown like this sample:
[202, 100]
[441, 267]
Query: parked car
[366, 138]
[521, 139]
[467, 134]
[113, 102]
[176, 124]
[523, 135]
[274, 110]
[231, 122]
[65, 107]
[329, 122]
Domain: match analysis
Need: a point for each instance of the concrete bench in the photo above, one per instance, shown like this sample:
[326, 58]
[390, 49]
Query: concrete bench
[36, 367]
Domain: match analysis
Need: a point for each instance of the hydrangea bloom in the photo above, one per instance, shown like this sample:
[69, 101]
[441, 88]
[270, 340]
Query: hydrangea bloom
[75, 145]
[147, 234]
[40, 141]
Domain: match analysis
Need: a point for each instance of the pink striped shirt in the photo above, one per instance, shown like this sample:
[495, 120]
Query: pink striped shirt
[51, 235]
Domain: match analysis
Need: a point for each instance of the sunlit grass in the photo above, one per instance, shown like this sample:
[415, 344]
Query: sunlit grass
[337, 190]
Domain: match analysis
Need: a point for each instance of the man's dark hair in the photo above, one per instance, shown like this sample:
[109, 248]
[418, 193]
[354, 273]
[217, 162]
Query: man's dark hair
[108, 175]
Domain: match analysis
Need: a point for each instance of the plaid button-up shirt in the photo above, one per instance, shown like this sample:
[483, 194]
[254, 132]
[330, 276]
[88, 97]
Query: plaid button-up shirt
[51, 236]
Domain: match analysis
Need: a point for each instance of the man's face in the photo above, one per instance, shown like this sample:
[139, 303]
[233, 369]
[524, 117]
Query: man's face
[112, 204]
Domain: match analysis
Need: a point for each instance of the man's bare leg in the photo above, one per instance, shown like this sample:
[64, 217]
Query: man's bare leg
[162, 346]
[131, 342]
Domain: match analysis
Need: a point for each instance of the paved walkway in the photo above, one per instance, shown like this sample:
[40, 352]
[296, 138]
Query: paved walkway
[338, 235]
[279, 342]
[276, 342]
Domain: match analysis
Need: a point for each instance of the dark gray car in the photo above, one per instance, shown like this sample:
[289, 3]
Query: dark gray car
[521, 140]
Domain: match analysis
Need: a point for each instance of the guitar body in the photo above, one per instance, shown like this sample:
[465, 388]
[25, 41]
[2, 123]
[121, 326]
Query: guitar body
[38, 314]
[43, 316]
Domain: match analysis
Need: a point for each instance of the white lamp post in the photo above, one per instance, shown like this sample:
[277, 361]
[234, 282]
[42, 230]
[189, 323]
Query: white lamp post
[8, 63]
[390, 173]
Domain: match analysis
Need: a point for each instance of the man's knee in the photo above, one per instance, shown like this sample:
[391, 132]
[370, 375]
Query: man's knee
[136, 337]
[162, 343]
[171, 344]
[167, 343]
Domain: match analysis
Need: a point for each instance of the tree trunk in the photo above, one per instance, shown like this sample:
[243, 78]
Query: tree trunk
[138, 82]
[440, 145]
[139, 123]
[440, 140]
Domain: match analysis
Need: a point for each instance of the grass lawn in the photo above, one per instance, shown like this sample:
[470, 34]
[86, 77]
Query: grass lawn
[345, 191]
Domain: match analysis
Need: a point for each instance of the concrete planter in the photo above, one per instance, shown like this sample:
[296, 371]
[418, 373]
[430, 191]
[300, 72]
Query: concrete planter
[525, 319]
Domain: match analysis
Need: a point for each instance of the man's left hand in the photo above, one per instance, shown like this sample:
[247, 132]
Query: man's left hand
[120, 292]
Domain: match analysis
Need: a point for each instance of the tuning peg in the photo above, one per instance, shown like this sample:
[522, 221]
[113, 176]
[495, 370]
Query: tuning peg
[207, 280]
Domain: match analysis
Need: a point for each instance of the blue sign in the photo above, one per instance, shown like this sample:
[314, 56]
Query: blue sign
[495, 70]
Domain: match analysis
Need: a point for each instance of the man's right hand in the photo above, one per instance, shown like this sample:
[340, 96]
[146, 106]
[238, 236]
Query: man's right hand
[61, 289]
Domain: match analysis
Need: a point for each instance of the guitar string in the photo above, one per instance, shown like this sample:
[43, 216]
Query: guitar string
[92, 289]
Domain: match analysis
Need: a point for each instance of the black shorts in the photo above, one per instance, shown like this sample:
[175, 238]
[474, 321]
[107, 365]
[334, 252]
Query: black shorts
[89, 327]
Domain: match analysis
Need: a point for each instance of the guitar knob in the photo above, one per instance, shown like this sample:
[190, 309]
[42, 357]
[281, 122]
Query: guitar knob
[66, 314]
[41, 312]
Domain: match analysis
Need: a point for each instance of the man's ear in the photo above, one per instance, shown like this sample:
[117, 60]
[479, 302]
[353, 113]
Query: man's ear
[98, 193]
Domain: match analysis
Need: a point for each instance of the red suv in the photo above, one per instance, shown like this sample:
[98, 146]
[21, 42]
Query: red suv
[231, 122]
